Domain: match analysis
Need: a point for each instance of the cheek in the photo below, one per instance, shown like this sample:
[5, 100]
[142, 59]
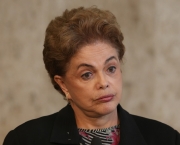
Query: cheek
[118, 87]
[117, 83]
[79, 90]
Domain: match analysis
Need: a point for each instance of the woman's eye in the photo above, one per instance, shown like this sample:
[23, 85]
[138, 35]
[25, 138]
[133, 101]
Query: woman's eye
[86, 76]
[112, 69]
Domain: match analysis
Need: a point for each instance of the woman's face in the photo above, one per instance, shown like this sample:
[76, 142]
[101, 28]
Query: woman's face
[93, 82]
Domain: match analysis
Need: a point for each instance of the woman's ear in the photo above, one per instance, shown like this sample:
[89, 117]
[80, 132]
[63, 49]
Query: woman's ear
[60, 82]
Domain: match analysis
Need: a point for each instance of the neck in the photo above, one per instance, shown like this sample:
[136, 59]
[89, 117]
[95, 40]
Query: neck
[99, 122]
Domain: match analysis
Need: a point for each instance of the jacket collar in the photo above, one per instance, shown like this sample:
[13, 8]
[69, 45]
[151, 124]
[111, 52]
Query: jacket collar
[65, 129]
[129, 131]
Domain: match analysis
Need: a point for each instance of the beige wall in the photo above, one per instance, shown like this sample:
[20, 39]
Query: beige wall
[151, 66]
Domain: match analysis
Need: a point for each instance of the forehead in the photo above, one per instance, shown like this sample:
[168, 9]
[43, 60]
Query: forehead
[97, 49]
[94, 53]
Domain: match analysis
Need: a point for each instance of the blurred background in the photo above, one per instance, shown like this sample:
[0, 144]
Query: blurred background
[151, 84]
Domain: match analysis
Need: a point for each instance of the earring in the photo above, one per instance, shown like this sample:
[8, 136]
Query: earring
[67, 96]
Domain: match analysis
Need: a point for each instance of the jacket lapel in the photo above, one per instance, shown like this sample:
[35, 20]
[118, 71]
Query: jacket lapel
[65, 129]
[129, 131]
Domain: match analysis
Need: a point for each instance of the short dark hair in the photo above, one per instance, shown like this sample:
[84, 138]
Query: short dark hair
[74, 29]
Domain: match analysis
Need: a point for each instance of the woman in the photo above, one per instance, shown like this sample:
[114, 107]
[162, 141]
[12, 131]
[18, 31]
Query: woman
[83, 51]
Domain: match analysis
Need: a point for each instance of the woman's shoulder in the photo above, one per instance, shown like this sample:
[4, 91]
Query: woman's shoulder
[38, 123]
[31, 130]
[156, 130]
[143, 122]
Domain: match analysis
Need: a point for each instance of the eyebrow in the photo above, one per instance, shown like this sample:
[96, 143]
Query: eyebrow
[110, 58]
[88, 65]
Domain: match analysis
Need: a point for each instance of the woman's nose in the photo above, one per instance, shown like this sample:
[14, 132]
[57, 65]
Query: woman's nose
[102, 82]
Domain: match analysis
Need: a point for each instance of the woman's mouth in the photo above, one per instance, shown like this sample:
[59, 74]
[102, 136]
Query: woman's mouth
[105, 98]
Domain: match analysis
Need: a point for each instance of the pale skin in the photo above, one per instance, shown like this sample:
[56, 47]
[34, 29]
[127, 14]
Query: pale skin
[93, 85]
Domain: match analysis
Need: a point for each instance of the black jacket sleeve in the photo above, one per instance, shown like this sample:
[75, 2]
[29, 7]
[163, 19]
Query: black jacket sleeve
[11, 139]
[177, 138]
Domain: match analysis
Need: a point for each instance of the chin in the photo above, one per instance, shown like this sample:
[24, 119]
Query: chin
[108, 108]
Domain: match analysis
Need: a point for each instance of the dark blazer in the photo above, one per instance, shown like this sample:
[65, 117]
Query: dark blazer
[60, 129]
